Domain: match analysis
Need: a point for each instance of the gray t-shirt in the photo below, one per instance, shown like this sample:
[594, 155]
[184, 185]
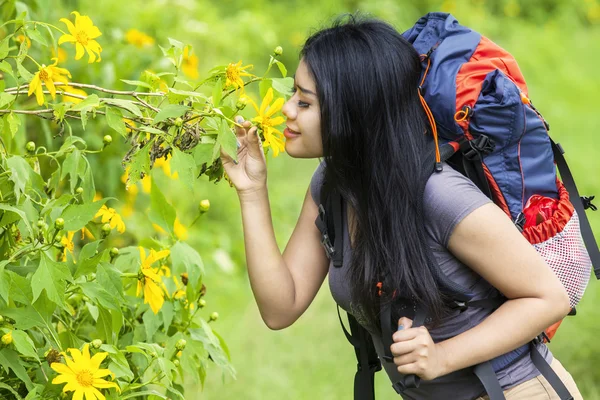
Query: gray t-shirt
[449, 197]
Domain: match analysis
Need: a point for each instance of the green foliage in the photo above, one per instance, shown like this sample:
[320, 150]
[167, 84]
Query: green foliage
[63, 286]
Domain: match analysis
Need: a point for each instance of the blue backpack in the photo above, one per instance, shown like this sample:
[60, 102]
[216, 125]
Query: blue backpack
[485, 126]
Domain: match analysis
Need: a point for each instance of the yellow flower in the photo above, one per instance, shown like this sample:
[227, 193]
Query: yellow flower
[138, 39]
[70, 99]
[112, 217]
[61, 54]
[166, 167]
[189, 65]
[47, 75]
[130, 123]
[83, 375]
[150, 281]
[22, 38]
[234, 73]
[97, 196]
[67, 242]
[273, 137]
[180, 230]
[82, 34]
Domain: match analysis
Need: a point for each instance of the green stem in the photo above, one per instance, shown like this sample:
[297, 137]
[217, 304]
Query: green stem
[46, 24]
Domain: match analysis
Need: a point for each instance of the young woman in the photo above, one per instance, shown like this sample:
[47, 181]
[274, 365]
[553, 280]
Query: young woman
[356, 105]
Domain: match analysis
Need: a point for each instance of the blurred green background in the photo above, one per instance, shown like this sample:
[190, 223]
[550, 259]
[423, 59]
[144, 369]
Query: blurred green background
[557, 44]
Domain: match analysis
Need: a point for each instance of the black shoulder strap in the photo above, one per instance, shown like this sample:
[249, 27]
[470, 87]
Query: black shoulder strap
[586, 229]
[368, 362]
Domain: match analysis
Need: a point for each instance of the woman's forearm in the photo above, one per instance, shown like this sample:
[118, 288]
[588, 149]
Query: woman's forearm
[515, 323]
[270, 279]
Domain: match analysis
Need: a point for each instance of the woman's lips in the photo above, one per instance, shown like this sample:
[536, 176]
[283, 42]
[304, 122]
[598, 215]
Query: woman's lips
[290, 134]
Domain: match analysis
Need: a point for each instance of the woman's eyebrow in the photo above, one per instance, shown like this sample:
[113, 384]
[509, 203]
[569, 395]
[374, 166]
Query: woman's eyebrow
[303, 90]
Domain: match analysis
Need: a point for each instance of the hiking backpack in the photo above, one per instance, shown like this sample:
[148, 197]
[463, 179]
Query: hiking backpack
[485, 126]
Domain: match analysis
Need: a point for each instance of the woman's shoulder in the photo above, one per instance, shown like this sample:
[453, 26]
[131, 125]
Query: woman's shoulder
[448, 198]
[317, 182]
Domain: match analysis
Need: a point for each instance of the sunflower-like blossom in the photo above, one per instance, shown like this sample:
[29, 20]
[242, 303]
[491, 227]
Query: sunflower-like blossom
[83, 375]
[234, 73]
[150, 281]
[82, 34]
[47, 75]
[266, 121]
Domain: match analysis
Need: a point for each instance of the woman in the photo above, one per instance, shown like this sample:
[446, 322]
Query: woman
[356, 104]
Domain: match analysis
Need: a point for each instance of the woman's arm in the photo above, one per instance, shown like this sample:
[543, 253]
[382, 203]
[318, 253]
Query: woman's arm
[488, 242]
[283, 285]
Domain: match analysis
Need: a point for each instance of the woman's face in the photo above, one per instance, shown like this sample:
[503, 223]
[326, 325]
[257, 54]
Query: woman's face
[303, 132]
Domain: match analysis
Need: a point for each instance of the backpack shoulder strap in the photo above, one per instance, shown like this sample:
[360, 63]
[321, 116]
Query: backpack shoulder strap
[368, 361]
[586, 229]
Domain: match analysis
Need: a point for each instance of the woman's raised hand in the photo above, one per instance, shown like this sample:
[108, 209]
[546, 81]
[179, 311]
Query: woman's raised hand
[250, 172]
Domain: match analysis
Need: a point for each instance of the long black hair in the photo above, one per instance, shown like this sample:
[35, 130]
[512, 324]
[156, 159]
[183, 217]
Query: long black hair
[375, 136]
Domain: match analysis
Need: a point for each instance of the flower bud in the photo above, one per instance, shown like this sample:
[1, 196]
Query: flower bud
[178, 121]
[7, 339]
[79, 190]
[176, 363]
[153, 354]
[241, 103]
[201, 303]
[107, 139]
[214, 316]
[30, 147]
[1, 319]
[58, 238]
[40, 223]
[59, 224]
[278, 50]
[114, 252]
[204, 206]
[178, 355]
[180, 345]
[105, 230]
[96, 343]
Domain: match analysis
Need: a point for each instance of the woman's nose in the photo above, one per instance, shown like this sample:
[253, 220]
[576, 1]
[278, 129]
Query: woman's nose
[287, 109]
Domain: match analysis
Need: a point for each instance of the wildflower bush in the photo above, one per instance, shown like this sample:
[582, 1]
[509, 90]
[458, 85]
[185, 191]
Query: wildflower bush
[80, 316]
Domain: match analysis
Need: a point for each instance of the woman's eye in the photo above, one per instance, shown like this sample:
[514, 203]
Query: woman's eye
[303, 104]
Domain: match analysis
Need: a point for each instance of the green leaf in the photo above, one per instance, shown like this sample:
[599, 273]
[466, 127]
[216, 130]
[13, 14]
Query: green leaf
[227, 140]
[23, 72]
[282, 68]
[6, 98]
[186, 259]
[114, 118]
[167, 313]
[88, 259]
[140, 163]
[10, 359]
[10, 389]
[92, 101]
[77, 216]
[96, 292]
[6, 67]
[137, 83]
[20, 172]
[20, 214]
[118, 363]
[12, 123]
[166, 366]
[187, 93]
[4, 287]
[213, 345]
[203, 153]
[151, 323]
[161, 212]
[19, 288]
[24, 344]
[283, 85]
[4, 46]
[71, 167]
[52, 277]
[104, 325]
[87, 183]
[170, 111]
[35, 35]
[150, 129]
[217, 93]
[185, 166]
[125, 104]
[110, 279]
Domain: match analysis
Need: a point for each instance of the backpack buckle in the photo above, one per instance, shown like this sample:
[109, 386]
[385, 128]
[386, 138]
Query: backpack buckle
[587, 203]
[326, 242]
[478, 147]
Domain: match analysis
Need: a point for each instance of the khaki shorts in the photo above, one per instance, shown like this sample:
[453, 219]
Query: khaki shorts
[538, 388]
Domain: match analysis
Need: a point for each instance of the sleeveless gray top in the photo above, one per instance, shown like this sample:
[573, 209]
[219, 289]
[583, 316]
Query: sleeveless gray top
[449, 197]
